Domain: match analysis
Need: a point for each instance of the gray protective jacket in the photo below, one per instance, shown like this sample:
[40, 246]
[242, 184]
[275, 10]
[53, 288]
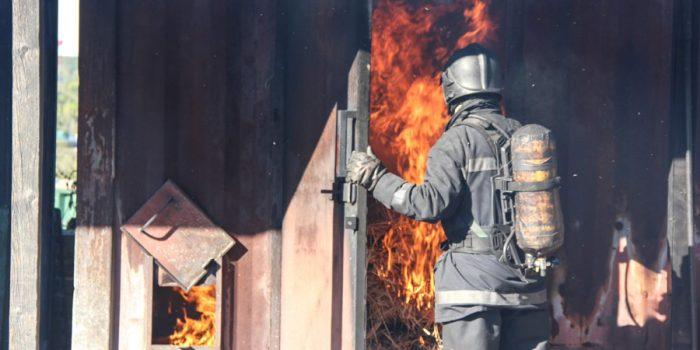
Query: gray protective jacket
[457, 189]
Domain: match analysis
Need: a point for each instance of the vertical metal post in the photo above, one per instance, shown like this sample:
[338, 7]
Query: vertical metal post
[353, 133]
[353, 129]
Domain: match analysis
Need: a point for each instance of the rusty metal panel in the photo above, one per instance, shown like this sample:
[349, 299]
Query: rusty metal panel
[211, 69]
[178, 235]
[310, 259]
[254, 165]
[139, 163]
[602, 82]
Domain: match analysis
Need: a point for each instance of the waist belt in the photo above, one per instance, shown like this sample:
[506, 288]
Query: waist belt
[479, 244]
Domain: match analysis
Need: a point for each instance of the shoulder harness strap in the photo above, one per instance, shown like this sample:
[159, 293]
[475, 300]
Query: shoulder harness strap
[478, 127]
[500, 127]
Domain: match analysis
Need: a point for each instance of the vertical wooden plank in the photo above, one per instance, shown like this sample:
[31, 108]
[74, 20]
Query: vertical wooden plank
[254, 168]
[93, 280]
[5, 161]
[27, 157]
[196, 90]
[139, 167]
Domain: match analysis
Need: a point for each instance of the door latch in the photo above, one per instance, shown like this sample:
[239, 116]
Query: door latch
[341, 191]
[336, 190]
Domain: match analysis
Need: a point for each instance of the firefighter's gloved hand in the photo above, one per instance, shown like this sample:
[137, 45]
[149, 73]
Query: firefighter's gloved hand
[364, 169]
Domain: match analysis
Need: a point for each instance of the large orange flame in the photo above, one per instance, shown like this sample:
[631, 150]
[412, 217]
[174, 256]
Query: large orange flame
[410, 45]
[199, 330]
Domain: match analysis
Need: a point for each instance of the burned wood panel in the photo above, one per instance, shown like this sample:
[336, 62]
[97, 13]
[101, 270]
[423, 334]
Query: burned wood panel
[198, 100]
[643, 59]
[139, 163]
[196, 88]
[254, 168]
[94, 288]
[601, 81]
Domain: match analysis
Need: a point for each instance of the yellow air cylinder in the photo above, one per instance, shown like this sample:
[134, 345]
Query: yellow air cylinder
[538, 217]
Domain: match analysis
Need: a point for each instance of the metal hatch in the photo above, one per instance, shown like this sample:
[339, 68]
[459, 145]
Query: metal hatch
[182, 240]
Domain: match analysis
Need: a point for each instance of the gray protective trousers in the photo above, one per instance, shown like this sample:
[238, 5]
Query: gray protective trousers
[498, 329]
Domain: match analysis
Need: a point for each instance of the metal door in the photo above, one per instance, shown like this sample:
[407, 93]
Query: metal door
[353, 129]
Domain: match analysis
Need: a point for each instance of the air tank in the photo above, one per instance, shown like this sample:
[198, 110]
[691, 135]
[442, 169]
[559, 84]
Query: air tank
[539, 224]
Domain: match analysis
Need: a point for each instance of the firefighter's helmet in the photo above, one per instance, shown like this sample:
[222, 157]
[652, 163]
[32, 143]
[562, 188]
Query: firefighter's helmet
[470, 71]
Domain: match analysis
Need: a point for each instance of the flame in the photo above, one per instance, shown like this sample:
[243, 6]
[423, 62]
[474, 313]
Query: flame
[410, 45]
[196, 331]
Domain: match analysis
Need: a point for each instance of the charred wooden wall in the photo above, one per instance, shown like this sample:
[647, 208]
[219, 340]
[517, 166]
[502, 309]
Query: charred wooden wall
[604, 76]
[230, 100]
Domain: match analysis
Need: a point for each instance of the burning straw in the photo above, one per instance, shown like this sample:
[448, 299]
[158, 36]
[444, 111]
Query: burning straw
[391, 324]
[410, 44]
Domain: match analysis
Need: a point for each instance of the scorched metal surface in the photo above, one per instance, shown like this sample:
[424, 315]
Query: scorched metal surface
[178, 235]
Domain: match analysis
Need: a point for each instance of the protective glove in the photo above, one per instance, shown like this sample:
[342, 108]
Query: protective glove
[364, 169]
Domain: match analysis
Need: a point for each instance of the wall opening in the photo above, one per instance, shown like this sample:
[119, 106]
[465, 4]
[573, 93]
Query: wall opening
[185, 319]
[408, 115]
[60, 255]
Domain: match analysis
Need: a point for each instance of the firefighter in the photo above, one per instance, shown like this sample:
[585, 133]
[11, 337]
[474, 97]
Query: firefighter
[481, 302]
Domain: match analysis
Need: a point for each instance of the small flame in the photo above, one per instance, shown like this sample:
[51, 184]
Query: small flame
[192, 331]
[410, 45]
